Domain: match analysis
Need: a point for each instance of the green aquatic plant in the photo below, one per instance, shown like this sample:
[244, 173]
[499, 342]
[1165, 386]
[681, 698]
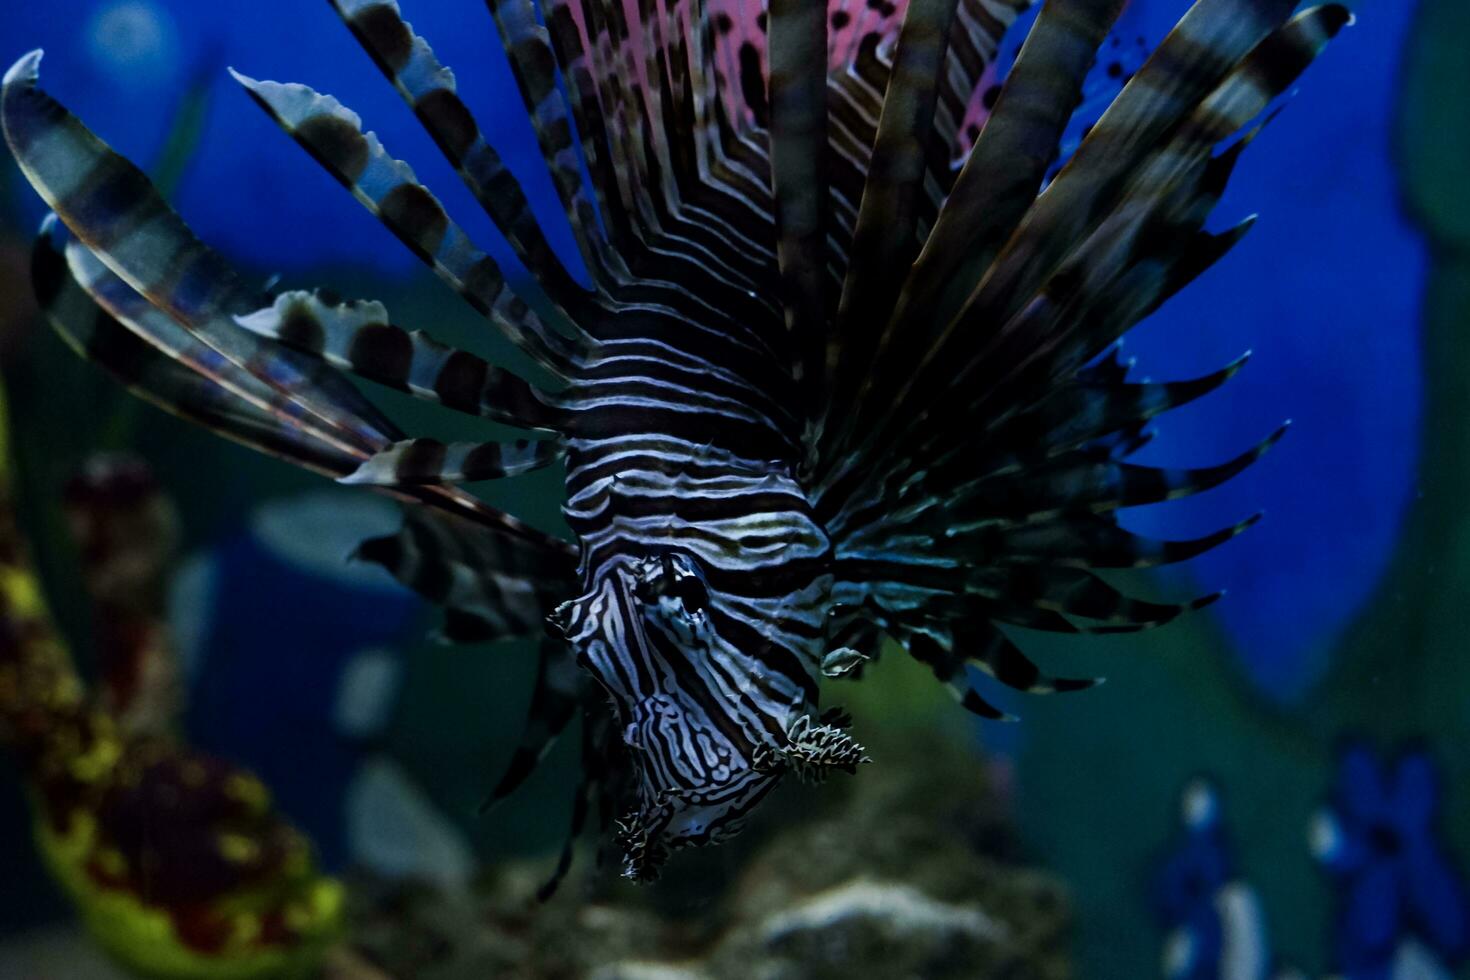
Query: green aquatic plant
[176, 861]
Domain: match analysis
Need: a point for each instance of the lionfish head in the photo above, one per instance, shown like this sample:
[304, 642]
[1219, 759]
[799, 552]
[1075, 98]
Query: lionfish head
[705, 742]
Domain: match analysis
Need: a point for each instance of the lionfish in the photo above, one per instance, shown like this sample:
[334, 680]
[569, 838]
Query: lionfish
[842, 369]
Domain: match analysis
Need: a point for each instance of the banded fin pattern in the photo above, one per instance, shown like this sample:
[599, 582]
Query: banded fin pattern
[559, 689]
[429, 89]
[388, 188]
[164, 379]
[491, 586]
[419, 461]
[358, 338]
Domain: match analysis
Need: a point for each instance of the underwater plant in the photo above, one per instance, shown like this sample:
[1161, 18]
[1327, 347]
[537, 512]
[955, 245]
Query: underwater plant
[835, 373]
[176, 860]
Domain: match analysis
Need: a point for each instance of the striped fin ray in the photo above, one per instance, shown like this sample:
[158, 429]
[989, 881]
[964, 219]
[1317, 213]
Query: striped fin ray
[1169, 198]
[604, 95]
[249, 410]
[387, 187]
[560, 686]
[657, 176]
[723, 304]
[885, 236]
[999, 657]
[691, 242]
[974, 38]
[945, 648]
[1198, 254]
[1026, 595]
[301, 392]
[1089, 540]
[859, 85]
[237, 402]
[597, 744]
[624, 115]
[798, 101]
[571, 44]
[1126, 266]
[116, 212]
[1123, 270]
[533, 63]
[854, 106]
[898, 601]
[359, 337]
[492, 585]
[692, 210]
[164, 381]
[1083, 410]
[1211, 40]
[1080, 539]
[624, 110]
[1081, 480]
[686, 229]
[151, 325]
[1005, 168]
[422, 461]
[693, 258]
[1072, 418]
[1076, 592]
[948, 668]
[429, 89]
[991, 194]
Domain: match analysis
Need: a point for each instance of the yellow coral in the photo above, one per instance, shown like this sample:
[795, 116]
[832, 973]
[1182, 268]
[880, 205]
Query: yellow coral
[143, 938]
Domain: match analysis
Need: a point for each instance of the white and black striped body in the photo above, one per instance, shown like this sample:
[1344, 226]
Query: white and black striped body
[706, 583]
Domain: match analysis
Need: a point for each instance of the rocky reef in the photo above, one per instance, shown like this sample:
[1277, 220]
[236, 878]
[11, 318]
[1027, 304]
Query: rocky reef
[909, 870]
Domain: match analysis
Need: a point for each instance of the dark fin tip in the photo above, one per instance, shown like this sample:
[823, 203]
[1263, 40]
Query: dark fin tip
[1207, 600]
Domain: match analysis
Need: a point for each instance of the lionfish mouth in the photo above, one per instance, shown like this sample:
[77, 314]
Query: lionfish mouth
[689, 817]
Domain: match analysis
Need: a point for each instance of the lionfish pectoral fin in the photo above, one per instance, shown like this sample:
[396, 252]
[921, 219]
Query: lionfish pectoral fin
[358, 337]
[153, 370]
[594, 786]
[559, 688]
[390, 190]
[493, 585]
[115, 211]
[949, 669]
[415, 462]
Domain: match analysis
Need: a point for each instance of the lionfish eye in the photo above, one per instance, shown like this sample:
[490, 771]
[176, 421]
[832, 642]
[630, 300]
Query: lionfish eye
[674, 576]
[689, 589]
